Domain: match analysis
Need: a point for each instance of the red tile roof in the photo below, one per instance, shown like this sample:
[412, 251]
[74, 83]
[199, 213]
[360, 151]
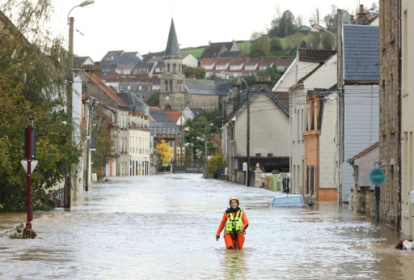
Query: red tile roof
[174, 115]
[110, 93]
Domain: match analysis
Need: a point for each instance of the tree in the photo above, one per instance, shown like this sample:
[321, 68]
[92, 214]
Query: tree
[315, 18]
[272, 73]
[283, 26]
[164, 152]
[215, 162]
[260, 46]
[295, 40]
[188, 72]
[32, 83]
[199, 73]
[275, 45]
[330, 20]
[154, 99]
[205, 126]
[105, 140]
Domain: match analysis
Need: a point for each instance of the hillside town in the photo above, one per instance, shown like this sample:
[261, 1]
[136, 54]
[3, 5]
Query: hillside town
[333, 115]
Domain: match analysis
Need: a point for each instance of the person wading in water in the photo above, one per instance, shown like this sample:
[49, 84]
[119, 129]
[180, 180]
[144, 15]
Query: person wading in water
[234, 223]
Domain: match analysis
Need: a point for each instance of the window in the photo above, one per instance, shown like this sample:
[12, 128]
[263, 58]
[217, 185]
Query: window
[236, 67]
[250, 68]
[310, 179]
[222, 67]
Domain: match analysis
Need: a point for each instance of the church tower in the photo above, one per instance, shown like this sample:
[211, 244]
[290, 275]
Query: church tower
[172, 95]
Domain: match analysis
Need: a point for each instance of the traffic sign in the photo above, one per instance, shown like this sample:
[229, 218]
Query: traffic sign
[377, 176]
[33, 165]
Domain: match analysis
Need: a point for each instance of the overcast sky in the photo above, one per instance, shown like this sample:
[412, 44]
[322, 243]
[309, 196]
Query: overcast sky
[143, 26]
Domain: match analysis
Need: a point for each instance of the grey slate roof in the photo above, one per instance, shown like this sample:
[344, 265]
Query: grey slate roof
[134, 103]
[209, 87]
[160, 117]
[172, 50]
[361, 53]
[232, 54]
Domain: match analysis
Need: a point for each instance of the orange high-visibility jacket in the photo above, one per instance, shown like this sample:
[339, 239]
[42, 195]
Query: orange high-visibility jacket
[224, 220]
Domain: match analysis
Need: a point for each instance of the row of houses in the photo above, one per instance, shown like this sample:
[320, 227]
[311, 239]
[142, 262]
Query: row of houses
[347, 112]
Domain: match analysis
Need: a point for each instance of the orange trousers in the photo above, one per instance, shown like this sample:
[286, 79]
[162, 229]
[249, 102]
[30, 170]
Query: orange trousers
[235, 244]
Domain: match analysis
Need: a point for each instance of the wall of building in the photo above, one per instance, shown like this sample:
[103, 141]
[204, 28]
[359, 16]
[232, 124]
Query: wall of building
[389, 109]
[268, 125]
[208, 102]
[361, 127]
[328, 175]
[407, 116]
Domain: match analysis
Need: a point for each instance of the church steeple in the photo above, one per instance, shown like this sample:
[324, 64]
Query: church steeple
[173, 95]
[173, 49]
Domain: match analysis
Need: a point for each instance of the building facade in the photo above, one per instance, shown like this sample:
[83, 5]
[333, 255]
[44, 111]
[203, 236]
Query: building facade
[407, 116]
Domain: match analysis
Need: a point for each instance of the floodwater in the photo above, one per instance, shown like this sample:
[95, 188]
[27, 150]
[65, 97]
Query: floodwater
[163, 227]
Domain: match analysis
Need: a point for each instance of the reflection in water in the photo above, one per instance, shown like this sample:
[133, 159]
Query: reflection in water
[163, 227]
[234, 264]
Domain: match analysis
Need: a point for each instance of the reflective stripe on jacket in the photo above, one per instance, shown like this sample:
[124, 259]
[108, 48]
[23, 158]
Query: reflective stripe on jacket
[233, 224]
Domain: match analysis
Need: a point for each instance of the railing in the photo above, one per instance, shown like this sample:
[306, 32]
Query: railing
[58, 197]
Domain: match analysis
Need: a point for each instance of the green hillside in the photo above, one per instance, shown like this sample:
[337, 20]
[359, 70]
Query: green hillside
[196, 52]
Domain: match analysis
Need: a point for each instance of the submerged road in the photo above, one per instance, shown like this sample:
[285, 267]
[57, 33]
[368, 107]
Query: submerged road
[163, 227]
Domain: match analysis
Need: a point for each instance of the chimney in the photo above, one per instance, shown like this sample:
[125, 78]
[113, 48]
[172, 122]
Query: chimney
[361, 16]
[236, 94]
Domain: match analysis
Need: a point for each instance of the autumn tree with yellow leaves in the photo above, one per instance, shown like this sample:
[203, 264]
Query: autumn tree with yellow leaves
[164, 152]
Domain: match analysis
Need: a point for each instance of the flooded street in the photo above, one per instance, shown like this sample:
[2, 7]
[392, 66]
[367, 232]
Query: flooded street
[163, 227]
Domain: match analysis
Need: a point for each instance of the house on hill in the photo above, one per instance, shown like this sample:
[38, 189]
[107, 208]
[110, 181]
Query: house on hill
[221, 49]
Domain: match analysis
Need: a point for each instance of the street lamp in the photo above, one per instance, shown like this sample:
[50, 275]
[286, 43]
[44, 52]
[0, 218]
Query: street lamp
[69, 105]
[248, 131]
[317, 27]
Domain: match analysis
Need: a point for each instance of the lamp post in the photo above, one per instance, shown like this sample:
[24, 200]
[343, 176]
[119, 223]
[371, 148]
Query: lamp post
[317, 27]
[247, 132]
[68, 181]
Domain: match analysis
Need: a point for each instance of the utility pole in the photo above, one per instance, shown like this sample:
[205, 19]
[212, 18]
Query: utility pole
[248, 135]
[69, 175]
[30, 148]
[340, 107]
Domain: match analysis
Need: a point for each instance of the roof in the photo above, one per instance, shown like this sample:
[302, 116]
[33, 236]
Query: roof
[200, 86]
[283, 98]
[134, 103]
[172, 50]
[211, 87]
[120, 57]
[79, 60]
[279, 100]
[308, 55]
[173, 115]
[98, 81]
[232, 54]
[160, 116]
[211, 51]
[9, 24]
[361, 52]
[364, 152]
